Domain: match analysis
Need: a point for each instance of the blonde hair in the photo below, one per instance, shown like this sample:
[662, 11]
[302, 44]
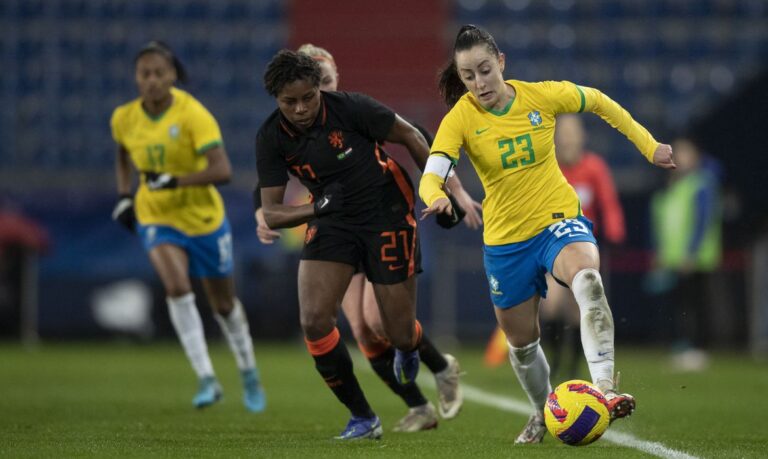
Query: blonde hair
[317, 53]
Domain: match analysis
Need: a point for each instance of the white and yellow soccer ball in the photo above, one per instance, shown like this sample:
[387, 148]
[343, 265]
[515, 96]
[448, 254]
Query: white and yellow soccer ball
[576, 413]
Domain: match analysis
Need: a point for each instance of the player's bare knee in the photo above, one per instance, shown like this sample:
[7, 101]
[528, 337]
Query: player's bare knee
[402, 340]
[222, 306]
[364, 335]
[223, 311]
[316, 325]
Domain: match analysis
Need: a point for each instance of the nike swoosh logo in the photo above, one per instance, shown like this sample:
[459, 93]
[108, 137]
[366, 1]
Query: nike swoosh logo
[324, 202]
[480, 131]
[290, 158]
[394, 267]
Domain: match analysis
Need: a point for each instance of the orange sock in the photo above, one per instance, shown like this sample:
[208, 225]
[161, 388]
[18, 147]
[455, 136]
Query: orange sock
[325, 344]
[375, 348]
[417, 332]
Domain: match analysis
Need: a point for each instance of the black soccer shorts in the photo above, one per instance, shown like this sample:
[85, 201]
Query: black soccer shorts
[388, 254]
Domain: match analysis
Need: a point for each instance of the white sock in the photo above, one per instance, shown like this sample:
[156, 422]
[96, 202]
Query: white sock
[531, 367]
[235, 328]
[189, 328]
[596, 326]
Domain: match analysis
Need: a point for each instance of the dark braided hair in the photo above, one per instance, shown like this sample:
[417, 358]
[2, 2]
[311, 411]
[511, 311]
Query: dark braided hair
[450, 84]
[159, 47]
[288, 66]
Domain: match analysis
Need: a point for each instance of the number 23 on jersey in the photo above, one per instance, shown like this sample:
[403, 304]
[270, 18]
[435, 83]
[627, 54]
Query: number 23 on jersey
[514, 147]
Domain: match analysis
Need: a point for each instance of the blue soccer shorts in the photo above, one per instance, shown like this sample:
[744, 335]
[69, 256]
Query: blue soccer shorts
[516, 271]
[210, 255]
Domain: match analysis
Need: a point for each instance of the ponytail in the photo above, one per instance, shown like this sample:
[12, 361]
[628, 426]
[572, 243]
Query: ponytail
[450, 85]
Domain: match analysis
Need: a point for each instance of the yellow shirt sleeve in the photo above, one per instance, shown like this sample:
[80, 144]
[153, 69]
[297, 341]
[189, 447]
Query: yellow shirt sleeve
[450, 135]
[448, 141]
[567, 97]
[204, 128]
[114, 124]
[615, 115]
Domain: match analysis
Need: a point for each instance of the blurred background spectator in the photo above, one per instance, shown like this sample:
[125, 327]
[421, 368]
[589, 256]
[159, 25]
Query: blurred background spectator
[686, 221]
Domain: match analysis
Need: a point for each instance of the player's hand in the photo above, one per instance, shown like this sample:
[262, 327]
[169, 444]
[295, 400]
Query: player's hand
[472, 208]
[332, 200]
[157, 181]
[662, 157]
[440, 206]
[265, 234]
[457, 214]
[123, 213]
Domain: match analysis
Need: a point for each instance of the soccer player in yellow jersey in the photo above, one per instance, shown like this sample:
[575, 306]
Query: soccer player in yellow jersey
[176, 145]
[533, 220]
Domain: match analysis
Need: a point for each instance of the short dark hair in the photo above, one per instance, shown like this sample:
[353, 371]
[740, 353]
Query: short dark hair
[159, 47]
[450, 85]
[288, 66]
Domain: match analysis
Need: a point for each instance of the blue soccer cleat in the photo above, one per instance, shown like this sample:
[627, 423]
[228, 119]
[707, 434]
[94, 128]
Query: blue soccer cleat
[362, 428]
[254, 398]
[406, 366]
[208, 393]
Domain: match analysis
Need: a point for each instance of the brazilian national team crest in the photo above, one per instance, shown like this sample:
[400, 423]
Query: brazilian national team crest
[535, 118]
[173, 131]
[494, 284]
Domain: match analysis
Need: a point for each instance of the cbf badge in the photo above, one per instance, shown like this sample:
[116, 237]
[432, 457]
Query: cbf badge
[535, 118]
[173, 131]
[494, 284]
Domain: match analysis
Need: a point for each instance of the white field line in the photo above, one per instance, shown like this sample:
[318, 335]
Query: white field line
[514, 405]
[524, 407]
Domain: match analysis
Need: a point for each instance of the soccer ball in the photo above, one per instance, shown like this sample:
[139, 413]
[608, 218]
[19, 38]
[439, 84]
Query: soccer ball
[576, 413]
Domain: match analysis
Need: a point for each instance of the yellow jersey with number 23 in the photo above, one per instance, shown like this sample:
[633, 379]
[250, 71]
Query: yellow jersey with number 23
[513, 152]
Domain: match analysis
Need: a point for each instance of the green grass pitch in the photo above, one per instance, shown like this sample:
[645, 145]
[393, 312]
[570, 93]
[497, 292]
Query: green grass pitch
[113, 400]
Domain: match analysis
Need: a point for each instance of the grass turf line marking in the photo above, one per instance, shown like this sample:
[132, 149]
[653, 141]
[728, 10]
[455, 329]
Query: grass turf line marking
[516, 406]
[513, 405]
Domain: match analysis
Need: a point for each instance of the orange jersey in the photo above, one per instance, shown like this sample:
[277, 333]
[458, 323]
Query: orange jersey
[592, 180]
